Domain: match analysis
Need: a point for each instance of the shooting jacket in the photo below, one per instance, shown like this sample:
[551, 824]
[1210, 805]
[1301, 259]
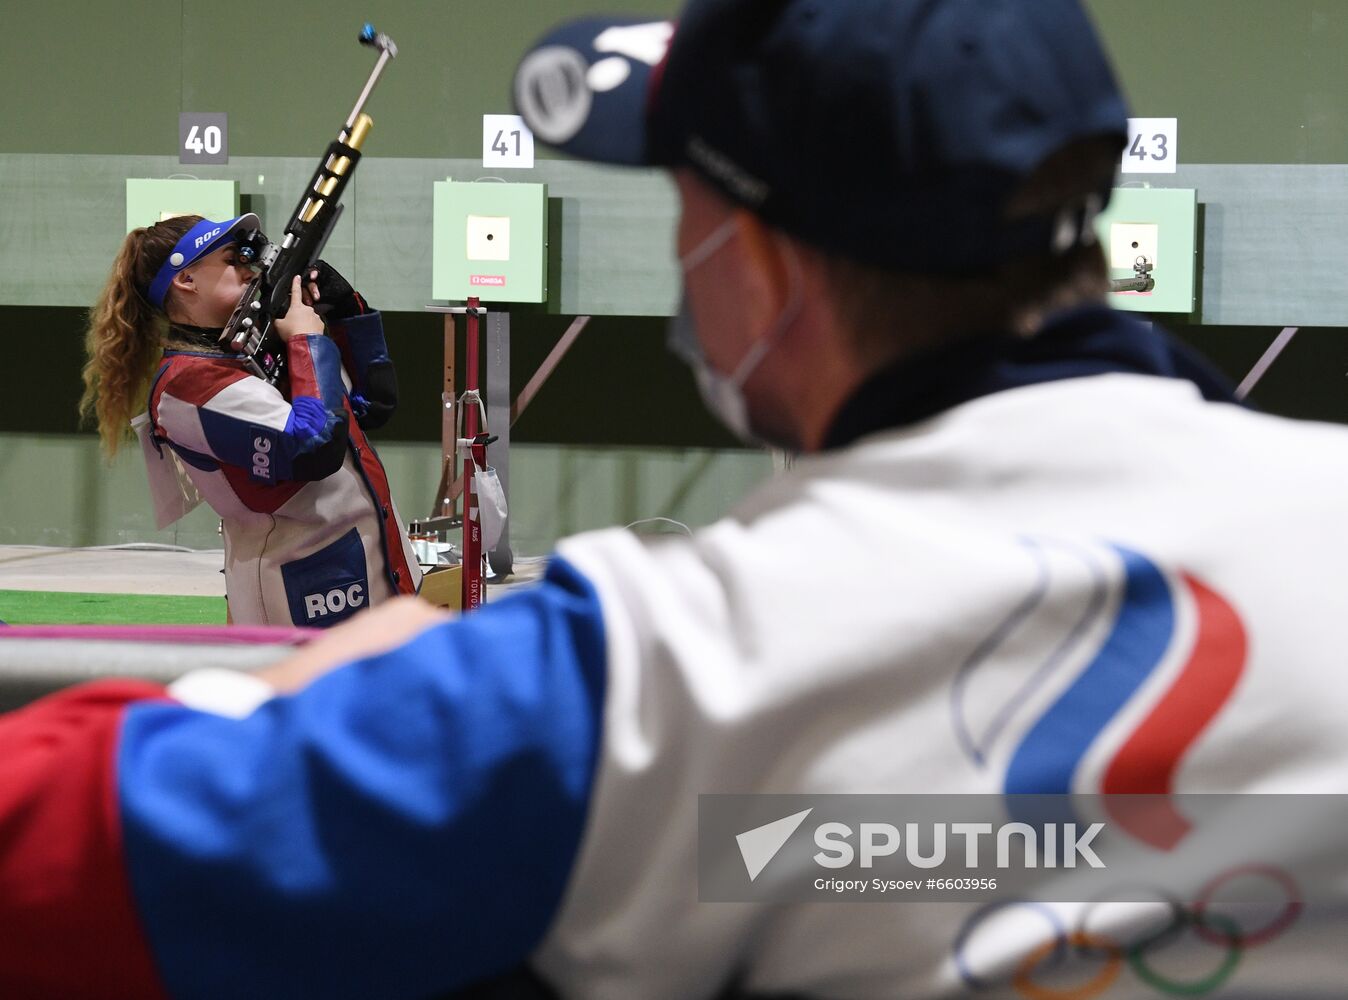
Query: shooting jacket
[310, 528]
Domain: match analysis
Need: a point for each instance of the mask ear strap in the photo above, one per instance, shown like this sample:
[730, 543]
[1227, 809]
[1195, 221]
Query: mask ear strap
[790, 312]
[703, 252]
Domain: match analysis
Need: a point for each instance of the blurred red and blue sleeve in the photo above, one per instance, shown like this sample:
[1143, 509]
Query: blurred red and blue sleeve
[404, 825]
[68, 926]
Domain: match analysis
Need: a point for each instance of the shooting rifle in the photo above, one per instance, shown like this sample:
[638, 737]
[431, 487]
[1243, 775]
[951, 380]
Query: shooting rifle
[250, 329]
[1141, 281]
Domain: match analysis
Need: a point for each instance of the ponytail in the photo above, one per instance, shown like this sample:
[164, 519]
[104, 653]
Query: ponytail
[124, 342]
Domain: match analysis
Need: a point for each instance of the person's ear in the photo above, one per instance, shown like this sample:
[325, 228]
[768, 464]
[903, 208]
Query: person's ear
[182, 281]
[767, 270]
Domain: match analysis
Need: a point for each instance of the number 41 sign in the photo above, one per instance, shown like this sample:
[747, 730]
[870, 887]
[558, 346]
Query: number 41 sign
[506, 142]
[1153, 146]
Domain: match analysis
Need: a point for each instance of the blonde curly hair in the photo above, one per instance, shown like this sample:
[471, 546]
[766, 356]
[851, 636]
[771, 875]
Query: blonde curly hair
[124, 342]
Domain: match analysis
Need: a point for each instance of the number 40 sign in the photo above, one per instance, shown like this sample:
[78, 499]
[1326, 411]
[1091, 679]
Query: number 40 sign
[1153, 146]
[203, 137]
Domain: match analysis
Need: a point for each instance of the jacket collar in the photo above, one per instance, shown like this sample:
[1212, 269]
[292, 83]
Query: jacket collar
[1090, 340]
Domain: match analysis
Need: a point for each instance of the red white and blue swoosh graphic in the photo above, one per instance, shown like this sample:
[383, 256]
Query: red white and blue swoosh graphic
[1048, 756]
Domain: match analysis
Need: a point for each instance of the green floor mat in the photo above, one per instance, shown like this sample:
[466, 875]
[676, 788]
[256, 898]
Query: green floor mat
[37, 607]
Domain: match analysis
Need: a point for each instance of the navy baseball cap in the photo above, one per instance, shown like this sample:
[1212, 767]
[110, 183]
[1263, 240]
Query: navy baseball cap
[203, 238]
[891, 132]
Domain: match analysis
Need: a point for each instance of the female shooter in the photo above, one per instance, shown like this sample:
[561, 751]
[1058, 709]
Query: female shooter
[311, 533]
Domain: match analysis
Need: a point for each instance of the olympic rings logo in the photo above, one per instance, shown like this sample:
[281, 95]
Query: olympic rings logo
[1138, 954]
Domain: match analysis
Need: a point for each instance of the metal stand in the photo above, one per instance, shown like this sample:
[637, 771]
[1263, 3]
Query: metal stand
[452, 446]
[470, 445]
[1262, 366]
[501, 559]
[474, 454]
[447, 494]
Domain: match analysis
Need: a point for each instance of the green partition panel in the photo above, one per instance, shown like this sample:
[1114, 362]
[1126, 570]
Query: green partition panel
[1159, 224]
[490, 242]
[1270, 162]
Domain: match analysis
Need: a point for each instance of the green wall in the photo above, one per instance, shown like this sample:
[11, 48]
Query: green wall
[1253, 81]
[91, 96]
[286, 73]
[58, 490]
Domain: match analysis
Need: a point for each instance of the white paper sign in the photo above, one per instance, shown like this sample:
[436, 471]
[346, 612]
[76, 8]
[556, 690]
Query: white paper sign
[1153, 146]
[507, 143]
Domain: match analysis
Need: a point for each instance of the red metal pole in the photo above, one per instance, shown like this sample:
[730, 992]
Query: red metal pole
[472, 527]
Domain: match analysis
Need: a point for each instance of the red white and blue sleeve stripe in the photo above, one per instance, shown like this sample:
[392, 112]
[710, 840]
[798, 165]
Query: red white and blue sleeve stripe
[361, 341]
[215, 413]
[374, 391]
[405, 825]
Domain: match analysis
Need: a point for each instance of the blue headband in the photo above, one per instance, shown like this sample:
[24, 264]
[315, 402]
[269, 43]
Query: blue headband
[200, 240]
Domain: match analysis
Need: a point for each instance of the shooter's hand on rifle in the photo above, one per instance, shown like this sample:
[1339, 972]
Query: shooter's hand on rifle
[331, 295]
[300, 319]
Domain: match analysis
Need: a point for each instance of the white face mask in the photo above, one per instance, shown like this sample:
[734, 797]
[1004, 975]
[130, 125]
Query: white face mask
[491, 505]
[723, 394]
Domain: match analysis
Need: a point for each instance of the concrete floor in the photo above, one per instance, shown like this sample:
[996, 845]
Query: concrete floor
[129, 570]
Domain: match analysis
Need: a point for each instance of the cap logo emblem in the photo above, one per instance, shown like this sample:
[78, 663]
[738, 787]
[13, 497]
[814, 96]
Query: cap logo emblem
[552, 93]
[646, 43]
[205, 238]
[608, 74]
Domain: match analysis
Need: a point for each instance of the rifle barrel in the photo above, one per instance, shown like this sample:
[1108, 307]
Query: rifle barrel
[385, 54]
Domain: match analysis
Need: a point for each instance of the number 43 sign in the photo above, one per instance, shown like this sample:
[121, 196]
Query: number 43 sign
[1153, 146]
